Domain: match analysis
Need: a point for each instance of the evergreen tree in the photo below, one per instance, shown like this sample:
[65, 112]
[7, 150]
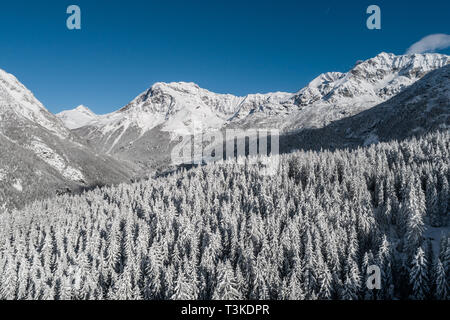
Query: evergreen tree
[227, 288]
[441, 289]
[418, 278]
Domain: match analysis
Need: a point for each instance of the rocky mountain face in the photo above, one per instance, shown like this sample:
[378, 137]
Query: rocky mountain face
[145, 130]
[386, 97]
[39, 155]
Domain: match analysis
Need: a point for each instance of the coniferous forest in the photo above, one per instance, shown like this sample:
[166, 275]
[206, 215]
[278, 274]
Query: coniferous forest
[224, 231]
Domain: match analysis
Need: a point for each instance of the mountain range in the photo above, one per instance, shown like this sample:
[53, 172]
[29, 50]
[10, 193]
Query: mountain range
[386, 97]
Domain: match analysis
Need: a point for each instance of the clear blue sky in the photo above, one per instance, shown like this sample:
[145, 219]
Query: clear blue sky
[237, 47]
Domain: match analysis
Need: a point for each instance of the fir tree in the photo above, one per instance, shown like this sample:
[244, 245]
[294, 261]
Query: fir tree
[418, 278]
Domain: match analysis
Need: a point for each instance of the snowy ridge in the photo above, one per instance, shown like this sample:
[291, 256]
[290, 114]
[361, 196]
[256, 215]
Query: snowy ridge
[18, 103]
[177, 108]
[49, 156]
[79, 117]
[40, 155]
[178, 105]
[334, 96]
[419, 109]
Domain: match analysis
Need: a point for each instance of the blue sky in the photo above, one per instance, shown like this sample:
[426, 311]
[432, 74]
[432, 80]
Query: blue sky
[236, 47]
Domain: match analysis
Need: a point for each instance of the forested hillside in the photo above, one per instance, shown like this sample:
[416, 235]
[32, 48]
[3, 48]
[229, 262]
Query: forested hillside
[224, 231]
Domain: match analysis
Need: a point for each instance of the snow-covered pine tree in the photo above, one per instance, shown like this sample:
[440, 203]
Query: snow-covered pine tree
[418, 277]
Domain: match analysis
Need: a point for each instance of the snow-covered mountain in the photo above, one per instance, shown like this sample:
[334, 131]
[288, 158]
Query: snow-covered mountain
[39, 154]
[334, 96]
[145, 130]
[147, 127]
[373, 80]
[174, 106]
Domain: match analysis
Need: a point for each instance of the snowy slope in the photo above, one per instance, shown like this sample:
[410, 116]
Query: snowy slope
[41, 155]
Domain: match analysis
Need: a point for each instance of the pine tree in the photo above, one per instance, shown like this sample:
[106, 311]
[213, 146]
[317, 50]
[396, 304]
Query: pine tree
[418, 278]
[183, 289]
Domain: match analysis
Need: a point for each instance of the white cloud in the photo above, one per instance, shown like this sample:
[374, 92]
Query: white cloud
[430, 43]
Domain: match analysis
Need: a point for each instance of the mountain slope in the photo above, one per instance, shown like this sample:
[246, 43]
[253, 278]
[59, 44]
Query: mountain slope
[39, 155]
[322, 212]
